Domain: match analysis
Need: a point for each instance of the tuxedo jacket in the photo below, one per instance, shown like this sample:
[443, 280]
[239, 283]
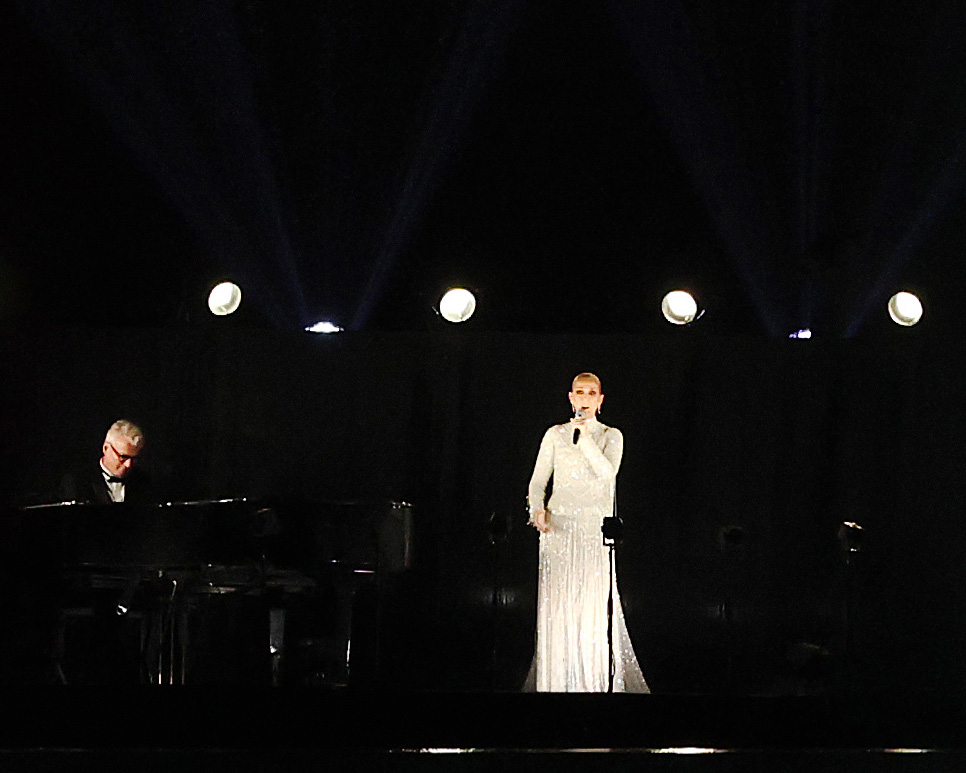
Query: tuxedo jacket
[87, 484]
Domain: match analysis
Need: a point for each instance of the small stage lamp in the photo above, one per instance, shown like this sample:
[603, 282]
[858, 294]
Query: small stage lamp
[457, 305]
[679, 307]
[324, 327]
[905, 309]
[224, 298]
[850, 536]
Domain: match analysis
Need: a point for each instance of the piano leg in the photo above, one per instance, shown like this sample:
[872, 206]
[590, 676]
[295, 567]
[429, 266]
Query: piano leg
[276, 643]
[164, 644]
[183, 631]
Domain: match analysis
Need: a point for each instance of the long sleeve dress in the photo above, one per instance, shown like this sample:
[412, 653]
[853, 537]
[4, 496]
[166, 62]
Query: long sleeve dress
[571, 653]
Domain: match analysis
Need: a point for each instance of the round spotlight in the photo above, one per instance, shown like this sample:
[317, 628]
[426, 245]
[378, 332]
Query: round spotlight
[679, 307]
[905, 309]
[224, 298]
[457, 305]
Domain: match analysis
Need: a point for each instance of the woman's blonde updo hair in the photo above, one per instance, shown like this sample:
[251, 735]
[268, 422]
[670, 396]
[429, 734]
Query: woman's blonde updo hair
[586, 377]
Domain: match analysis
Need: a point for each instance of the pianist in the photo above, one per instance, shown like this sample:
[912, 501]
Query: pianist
[117, 478]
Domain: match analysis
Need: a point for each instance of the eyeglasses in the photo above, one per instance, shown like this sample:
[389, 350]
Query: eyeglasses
[123, 457]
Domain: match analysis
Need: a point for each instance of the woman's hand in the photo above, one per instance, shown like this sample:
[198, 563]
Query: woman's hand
[580, 424]
[540, 521]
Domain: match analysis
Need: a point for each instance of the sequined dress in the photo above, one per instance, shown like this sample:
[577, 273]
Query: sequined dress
[571, 652]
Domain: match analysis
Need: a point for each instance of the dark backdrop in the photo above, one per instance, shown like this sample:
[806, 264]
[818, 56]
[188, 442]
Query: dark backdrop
[778, 441]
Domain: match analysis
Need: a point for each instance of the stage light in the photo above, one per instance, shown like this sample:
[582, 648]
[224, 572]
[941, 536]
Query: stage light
[905, 309]
[324, 327]
[679, 307]
[457, 305]
[850, 536]
[224, 298]
[803, 333]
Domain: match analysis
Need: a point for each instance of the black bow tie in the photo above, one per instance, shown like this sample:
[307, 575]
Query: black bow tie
[114, 479]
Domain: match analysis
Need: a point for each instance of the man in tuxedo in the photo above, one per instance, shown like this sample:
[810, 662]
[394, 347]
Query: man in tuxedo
[96, 643]
[117, 478]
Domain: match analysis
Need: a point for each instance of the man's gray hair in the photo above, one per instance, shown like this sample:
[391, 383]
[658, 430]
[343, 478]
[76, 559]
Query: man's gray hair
[128, 430]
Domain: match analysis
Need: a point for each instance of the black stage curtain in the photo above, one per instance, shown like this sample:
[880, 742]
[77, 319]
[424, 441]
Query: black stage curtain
[742, 458]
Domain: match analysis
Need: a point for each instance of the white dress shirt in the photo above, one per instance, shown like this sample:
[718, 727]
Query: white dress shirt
[114, 488]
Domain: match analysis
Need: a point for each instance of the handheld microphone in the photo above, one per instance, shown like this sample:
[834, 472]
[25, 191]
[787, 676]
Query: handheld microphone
[578, 415]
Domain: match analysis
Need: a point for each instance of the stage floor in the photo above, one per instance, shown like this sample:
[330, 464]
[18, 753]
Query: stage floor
[275, 729]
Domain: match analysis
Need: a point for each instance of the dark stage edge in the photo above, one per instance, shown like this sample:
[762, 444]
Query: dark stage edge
[195, 728]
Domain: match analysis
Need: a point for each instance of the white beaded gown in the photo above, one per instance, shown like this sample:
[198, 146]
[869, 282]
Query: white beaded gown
[571, 652]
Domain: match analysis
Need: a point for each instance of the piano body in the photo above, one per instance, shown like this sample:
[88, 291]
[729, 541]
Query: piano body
[216, 591]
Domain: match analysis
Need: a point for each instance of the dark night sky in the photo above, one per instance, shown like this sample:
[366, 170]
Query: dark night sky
[793, 163]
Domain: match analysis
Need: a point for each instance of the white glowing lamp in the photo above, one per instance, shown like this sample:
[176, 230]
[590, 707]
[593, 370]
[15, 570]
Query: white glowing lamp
[224, 298]
[457, 305]
[905, 309]
[679, 307]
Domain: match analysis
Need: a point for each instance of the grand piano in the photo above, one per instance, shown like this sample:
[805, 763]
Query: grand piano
[237, 590]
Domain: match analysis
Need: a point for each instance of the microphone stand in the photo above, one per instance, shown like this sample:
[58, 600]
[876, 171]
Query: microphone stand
[611, 529]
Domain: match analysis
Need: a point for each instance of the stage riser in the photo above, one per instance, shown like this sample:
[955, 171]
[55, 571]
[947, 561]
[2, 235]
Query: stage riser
[426, 728]
[295, 761]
